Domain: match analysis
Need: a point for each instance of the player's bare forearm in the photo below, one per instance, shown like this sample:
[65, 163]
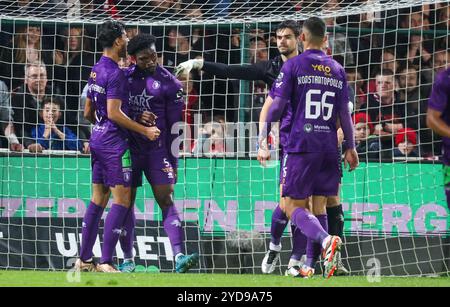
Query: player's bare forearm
[346, 124]
[89, 111]
[116, 115]
[264, 111]
[275, 110]
[437, 124]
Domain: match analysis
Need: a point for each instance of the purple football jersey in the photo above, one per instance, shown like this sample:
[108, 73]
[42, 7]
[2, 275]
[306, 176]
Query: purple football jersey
[162, 94]
[440, 101]
[316, 88]
[107, 81]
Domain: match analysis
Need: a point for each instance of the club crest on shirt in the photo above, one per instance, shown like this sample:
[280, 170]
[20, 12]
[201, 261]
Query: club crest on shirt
[280, 77]
[180, 94]
[156, 85]
[126, 175]
[308, 128]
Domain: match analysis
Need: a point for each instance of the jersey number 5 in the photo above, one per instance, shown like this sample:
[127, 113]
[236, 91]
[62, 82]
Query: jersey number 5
[314, 107]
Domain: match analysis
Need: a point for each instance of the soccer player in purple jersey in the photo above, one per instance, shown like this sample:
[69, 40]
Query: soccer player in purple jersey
[155, 90]
[107, 107]
[438, 119]
[314, 86]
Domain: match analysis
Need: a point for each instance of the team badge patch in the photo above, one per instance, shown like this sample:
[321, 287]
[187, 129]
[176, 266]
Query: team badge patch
[156, 85]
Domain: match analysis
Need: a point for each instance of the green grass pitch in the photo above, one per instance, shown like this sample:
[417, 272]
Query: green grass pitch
[48, 279]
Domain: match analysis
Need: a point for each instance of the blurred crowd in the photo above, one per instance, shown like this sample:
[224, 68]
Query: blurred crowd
[391, 59]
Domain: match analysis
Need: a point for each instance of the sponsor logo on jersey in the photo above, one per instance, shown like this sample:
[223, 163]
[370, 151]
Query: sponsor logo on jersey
[140, 102]
[308, 128]
[322, 68]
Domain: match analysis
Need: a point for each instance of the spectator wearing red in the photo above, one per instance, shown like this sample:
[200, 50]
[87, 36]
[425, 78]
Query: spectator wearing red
[405, 143]
[367, 145]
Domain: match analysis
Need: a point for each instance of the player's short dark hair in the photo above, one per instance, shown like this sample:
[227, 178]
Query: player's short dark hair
[316, 27]
[140, 42]
[289, 24]
[109, 31]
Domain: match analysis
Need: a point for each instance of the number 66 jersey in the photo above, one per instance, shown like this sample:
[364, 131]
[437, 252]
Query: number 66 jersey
[316, 88]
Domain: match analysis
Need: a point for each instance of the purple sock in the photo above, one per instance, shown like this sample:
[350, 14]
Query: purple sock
[309, 225]
[299, 243]
[126, 239]
[89, 230]
[313, 249]
[279, 222]
[113, 226]
[172, 226]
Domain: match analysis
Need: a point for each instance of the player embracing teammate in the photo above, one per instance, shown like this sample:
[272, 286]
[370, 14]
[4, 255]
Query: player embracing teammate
[114, 135]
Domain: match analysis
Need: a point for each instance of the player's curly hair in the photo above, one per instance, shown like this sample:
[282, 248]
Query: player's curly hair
[109, 31]
[140, 42]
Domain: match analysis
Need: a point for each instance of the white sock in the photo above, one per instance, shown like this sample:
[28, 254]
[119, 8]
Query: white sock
[128, 259]
[293, 262]
[274, 247]
[178, 256]
[325, 241]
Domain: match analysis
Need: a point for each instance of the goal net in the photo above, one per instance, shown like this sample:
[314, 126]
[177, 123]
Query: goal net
[396, 216]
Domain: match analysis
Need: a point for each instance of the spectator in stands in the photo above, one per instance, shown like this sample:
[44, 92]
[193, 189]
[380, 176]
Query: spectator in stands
[192, 105]
[405, 143]
[388, 61]
[383, 100]
[26, 103]
[416, 19]
[367, 145]
[72, 69]
[364, 43]
[6, 120]
[193, 11]
[419, 56]
[356, 82]
[211, 139]
[132, 31]
[50, 134]
[384, 109]
[28, 47]
[441, 60]
[338, 42]
[412, 96]
[258, 49]
[180, 49]
[443, 19]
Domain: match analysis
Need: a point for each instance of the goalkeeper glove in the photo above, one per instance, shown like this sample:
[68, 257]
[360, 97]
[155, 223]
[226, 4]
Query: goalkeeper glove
[185, 67]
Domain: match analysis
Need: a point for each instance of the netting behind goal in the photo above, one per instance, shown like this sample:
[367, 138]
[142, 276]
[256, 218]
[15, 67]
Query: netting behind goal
[396, 216]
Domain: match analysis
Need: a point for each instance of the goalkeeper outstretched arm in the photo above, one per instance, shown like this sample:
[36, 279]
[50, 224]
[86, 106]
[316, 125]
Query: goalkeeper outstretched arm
[252, 72]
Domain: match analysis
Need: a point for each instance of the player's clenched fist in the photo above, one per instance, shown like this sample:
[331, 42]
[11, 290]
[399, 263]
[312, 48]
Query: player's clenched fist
[351, 159]
[152, 133]
[148, 118]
